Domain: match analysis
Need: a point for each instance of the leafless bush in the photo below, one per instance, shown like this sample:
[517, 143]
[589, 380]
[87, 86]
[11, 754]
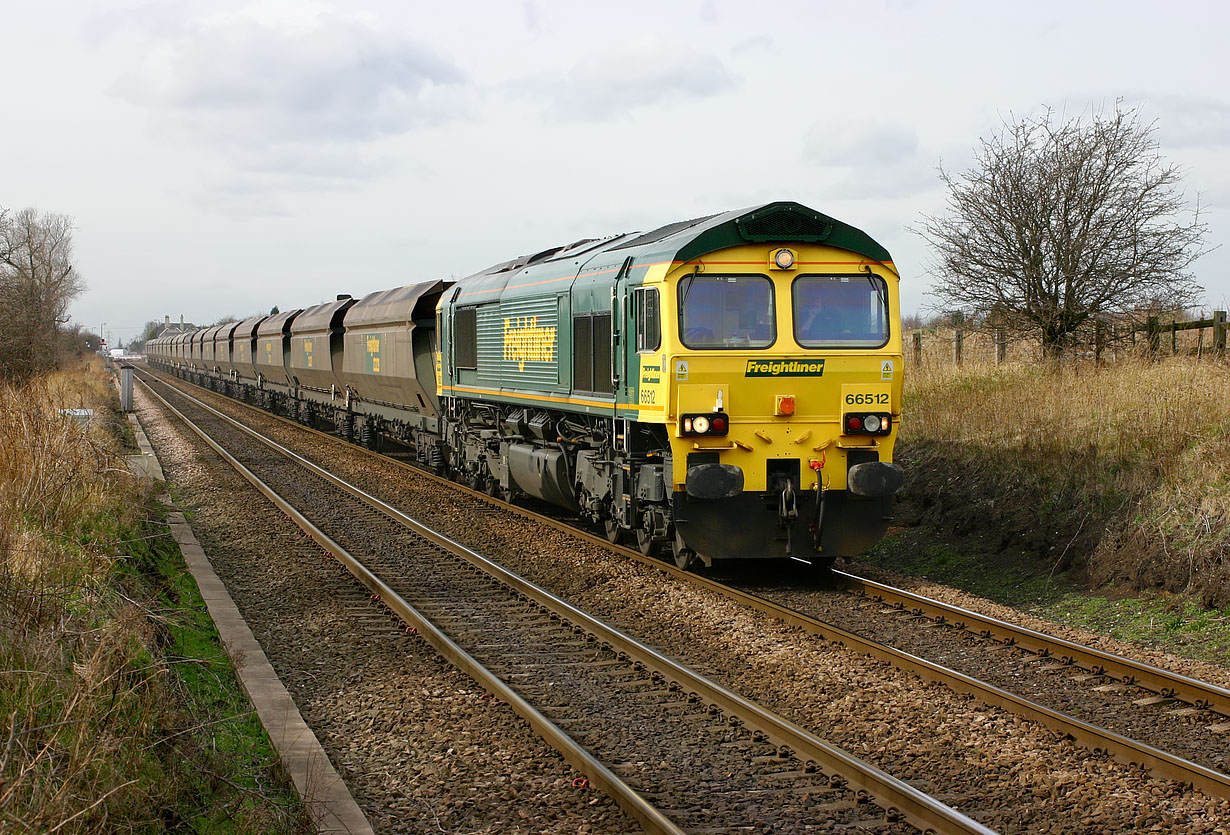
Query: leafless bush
[1058, 221]
[37, 282]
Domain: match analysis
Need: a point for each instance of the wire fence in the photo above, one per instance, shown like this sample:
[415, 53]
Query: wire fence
[1106, 340]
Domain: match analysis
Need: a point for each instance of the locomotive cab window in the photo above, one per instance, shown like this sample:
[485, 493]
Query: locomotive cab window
[648, 319]
[845, 311]
[726, 311]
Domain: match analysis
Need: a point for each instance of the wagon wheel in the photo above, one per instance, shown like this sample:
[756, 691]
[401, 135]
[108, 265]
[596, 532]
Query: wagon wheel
[612, 529]
[493, 488]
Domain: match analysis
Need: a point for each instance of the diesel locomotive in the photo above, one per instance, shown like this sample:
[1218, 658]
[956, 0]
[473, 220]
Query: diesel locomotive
[723, 387]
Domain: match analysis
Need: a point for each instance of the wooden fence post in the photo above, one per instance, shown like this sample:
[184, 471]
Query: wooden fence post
[1219, 331]
[1099, 341]
[918, 348]
[1001, 345]
[1174, 337]
[1154, 332]
[957, 341]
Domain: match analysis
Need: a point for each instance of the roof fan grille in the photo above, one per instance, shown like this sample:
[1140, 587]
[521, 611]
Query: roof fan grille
[784, 225]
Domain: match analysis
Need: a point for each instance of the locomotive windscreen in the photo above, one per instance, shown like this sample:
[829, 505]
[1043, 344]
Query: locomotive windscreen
[840, 311]
[727, 311]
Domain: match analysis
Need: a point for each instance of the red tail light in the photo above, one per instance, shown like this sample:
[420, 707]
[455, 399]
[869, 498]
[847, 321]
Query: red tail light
[864, 423]
[713, 423]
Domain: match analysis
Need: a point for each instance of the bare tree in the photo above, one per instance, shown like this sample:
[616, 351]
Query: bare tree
[37, 283]
[1058, 221]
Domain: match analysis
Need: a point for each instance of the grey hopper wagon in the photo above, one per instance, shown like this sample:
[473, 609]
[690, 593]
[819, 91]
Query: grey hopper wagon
[272, 347]
[316, 350]
[389, 363]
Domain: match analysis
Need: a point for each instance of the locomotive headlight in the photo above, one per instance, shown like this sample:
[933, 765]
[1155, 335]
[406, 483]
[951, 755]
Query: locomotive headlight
[783, 259]
[871, 423]
[700, 424]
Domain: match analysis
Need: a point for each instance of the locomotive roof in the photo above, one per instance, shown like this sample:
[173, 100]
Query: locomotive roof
[784, 222]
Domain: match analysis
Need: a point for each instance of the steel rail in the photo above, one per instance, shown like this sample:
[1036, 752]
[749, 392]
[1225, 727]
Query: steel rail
[598, 774]
[1163, 682]
[895, 796]
[1132, 752]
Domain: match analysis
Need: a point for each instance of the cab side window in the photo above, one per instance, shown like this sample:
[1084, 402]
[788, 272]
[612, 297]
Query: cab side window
[648, 319]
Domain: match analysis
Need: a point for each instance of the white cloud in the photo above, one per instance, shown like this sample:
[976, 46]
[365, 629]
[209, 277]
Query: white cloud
[274, 95]
[631, 77]
[1189, 122]
[870, 161]
[840, 143]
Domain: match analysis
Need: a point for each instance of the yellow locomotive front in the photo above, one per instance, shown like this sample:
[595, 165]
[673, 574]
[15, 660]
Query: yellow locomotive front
[780, 370]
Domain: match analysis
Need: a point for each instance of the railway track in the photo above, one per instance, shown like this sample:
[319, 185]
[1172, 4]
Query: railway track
[677, 750]
[1062, 655]
[906, 607]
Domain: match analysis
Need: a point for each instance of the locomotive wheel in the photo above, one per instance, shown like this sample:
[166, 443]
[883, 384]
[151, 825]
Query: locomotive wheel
[685, 557]
[493, 488]
[648, 544]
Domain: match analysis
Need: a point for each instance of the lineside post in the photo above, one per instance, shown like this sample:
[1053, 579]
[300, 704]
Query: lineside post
[1219, 331]
[957, 342]
[1154, 332]
[126, 388]
[1001, 345]
[918, 348]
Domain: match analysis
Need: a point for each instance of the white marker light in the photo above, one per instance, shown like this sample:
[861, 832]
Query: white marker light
[700, 424]
[784, 259]
[871, 423]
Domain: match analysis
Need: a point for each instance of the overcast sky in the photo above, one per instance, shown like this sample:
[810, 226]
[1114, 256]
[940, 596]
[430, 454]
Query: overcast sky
[220, 157]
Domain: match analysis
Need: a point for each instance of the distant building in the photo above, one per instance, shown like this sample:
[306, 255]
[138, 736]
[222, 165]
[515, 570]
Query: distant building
[169, 328]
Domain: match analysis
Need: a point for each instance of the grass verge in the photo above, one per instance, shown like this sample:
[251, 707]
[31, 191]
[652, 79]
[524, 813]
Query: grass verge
[1099, 497]
[1170, 622]
[1121, 472]
[118, 708]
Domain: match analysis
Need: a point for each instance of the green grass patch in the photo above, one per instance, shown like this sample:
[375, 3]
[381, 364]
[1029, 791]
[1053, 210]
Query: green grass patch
[1175, 624]
[215, 743]
[1169, 622]
[1018, 583]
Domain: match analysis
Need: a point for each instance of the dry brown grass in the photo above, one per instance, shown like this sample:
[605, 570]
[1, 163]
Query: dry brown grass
[1127, 465]
[74, 696]
[93, 714]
